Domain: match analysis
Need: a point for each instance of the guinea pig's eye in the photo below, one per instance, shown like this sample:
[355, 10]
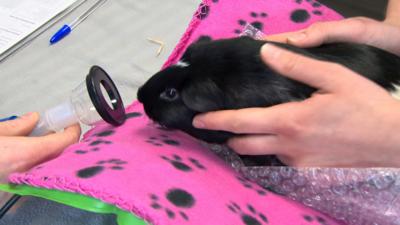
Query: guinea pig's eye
[170, 94]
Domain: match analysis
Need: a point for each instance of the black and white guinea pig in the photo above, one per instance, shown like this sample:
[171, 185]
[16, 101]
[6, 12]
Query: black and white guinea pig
[229, 74]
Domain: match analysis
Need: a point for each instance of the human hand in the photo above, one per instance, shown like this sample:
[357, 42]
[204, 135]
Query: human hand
[349, 122]
[20, 153]
[384, 35]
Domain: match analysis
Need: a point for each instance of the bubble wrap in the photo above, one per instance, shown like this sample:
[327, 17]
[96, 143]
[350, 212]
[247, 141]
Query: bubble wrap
[356, 196]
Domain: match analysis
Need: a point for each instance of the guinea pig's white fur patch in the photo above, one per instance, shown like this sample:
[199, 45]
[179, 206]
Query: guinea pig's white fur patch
[396, 93]
[182, 64]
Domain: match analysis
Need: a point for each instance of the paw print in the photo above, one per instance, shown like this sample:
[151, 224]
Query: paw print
[203, 11]
[133, 115]
[87, 140]
[302, 15]
[82, 152]
[89, 172]
[179, 198]
[161, 140]
[105, 133]
[251, 218]
[314, 4]
[98, 142]
[180, 165]
[255, 21]
[250, 185]
[319, 219]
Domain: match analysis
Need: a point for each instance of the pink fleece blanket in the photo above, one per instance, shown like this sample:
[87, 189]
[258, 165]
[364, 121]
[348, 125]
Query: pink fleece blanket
[167, 177]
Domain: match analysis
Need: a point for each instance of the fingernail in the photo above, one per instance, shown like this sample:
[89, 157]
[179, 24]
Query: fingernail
[270, 51]
[297, 37]
[198, 123]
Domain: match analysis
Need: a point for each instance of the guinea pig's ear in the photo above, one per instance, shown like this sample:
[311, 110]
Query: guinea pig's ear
[202, 95]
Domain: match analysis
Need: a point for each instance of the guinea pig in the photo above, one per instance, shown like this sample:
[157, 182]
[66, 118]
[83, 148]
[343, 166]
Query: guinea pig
[229, 74]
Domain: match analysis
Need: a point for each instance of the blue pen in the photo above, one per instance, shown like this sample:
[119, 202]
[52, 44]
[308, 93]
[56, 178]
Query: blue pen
[66, 29]
[8, 118]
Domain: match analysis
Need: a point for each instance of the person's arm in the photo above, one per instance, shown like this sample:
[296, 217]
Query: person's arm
[349, 122]
[19, 152]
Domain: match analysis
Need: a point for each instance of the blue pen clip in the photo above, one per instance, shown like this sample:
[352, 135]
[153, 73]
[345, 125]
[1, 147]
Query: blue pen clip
[61, 33]
[9, 118]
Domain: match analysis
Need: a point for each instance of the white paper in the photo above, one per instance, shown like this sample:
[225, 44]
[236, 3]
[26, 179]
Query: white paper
[19, 18]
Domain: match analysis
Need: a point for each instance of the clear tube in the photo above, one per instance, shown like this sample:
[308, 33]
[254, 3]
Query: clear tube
[77, 109]
[55, 119]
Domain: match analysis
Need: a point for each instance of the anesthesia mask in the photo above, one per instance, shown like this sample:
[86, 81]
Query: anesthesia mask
[95, 99]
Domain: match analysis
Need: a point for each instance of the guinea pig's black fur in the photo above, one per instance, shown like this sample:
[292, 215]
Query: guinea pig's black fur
[229, 74]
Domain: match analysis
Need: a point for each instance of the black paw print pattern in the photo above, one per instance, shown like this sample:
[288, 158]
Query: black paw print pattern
[255, 22]
[101, 134]
[203, 11]
[105, 133]
[302, 15]
[318, 219]
[250, 185]
[314, 4]
[133, 115]
[87, 140]
[99, 141]
[177, 162]
[251, 218]
[82, 152]
[179, 198]
[161, 140]
[89, 172]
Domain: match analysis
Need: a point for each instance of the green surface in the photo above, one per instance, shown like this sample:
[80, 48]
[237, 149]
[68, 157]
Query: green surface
[75, 200]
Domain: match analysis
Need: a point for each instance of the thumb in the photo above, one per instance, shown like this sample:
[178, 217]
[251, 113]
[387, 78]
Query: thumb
[21, 126]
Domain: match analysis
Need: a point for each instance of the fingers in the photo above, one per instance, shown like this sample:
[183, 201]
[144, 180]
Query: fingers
[328, 32]
[56, 142]
[251, 120]
[325, 76]
[256, 145]
[348, 30]
[357, 30]
[21, 126]
[283, 37]
[22, 153]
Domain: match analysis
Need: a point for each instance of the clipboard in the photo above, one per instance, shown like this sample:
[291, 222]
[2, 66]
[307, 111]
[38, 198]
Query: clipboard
[66, 8]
